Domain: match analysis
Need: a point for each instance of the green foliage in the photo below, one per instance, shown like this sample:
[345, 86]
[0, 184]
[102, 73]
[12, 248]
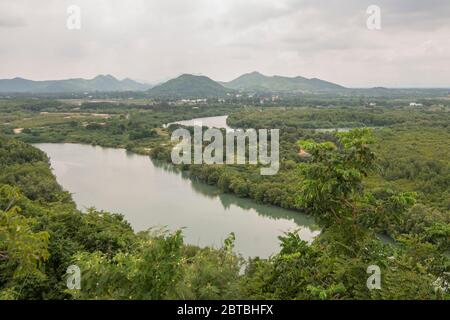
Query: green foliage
[333, 267]
[353, 195]
[415, 159]
[150, 271]
[22, 251]
[211, 274]
[334, 117]
[333, 180]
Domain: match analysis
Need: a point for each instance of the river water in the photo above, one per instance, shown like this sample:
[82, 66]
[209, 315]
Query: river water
[211, 122]
[152, 194]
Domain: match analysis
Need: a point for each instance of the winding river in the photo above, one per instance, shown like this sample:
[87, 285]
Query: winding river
[211, 122]
[150, 193]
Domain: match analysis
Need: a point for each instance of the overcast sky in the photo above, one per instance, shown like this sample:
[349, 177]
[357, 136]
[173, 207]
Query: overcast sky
[154, 40]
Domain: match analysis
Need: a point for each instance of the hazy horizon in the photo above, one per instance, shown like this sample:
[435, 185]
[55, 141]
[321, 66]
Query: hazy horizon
[162, 81]
[155, 41]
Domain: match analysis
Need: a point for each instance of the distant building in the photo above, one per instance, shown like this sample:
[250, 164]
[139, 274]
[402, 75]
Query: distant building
[190, 101]
[414, 104]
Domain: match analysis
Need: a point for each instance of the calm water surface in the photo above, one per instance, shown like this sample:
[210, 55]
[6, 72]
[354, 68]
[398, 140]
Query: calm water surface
[211, 122]
[153, 194]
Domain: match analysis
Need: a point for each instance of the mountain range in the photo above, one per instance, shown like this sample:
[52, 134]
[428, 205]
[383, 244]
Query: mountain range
[188, 85]
[99, 83]
[184, 86]
[256, 81]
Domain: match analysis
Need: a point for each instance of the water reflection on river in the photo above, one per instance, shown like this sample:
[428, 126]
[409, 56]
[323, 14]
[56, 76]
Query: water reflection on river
[150, 194]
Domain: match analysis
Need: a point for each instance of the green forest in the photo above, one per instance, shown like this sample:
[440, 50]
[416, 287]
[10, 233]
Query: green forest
[390, 178]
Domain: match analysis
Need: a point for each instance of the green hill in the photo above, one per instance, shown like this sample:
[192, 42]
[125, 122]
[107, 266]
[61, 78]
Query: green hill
[190, 86]
[256, 81]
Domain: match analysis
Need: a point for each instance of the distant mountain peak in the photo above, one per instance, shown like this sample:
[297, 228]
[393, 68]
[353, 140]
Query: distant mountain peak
[192, 76]
[253, 74]
[189, 86]
[101, 82]
[255, 81]
[187, 75]
[105, 77]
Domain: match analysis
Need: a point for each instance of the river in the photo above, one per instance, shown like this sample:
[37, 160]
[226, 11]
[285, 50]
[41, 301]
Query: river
[211, 122]
[150, 194]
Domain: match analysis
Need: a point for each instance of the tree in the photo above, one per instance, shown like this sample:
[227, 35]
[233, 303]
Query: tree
[22, 251]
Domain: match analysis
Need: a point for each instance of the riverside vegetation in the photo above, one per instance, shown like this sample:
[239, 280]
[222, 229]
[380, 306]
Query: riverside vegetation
[357, 185]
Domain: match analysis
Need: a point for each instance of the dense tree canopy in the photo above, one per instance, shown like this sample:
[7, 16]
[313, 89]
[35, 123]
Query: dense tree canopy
[380, 197]
[41, 235]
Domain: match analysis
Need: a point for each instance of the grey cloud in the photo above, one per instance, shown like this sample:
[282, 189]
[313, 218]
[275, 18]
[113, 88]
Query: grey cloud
[11, 23]
[158, 39]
